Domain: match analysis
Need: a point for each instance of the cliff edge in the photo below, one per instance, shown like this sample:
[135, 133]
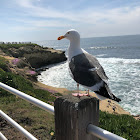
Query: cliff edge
[33, 54]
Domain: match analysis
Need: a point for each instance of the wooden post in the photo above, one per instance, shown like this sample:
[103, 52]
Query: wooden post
[73, 114]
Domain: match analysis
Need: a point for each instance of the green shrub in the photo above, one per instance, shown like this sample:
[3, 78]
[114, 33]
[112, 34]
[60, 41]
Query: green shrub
[123, 125]
[3, 63]
[5, 47]
[16, 46]
[24, 85]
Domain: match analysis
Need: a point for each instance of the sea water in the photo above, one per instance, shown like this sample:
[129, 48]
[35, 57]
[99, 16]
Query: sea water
[120, 58]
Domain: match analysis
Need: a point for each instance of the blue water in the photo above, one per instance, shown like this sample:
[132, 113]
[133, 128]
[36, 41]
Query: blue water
[119, 56]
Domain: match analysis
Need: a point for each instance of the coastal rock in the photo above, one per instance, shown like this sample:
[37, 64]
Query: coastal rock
[36, 55]
[46, 57]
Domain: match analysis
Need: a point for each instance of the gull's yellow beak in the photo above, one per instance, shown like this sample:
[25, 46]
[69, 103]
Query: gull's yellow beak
[61, 37]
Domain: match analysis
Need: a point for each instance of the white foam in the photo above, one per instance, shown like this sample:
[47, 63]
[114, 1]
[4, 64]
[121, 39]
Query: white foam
[124, 80]
[101, 55]
[119, 60]
[101, 47]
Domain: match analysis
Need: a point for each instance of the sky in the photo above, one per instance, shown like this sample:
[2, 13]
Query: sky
[39, 20]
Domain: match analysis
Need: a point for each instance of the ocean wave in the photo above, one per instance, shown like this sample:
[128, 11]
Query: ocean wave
[123, 79]
[102, 47]
[100, 55]
[119, 60]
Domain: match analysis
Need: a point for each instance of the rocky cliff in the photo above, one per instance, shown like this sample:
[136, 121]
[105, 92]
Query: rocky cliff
[34, 54]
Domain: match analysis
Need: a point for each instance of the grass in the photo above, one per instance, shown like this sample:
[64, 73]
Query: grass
[35, 120]
[22, 84]
[39, 122]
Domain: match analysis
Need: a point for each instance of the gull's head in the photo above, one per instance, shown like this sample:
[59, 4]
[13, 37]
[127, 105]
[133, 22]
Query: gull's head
[71, 35]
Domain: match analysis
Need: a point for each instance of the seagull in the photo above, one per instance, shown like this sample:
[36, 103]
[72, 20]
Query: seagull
[85, 69]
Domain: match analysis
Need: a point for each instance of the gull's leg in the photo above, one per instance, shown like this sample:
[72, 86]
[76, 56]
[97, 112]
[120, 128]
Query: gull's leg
[80, 94]
[77, 94]
[87, 93]
[77, 88]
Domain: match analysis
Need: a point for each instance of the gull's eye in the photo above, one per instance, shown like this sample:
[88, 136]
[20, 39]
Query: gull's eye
[68, 32]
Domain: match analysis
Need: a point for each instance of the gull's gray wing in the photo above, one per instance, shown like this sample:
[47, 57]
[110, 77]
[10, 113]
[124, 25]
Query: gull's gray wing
[86, 70]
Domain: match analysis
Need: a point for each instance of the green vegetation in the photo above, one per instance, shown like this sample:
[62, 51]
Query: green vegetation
[16, 46]
[39, 122]
[3, 63]
[5, 47]
[35, 120]
[22, 84]
[123, 125]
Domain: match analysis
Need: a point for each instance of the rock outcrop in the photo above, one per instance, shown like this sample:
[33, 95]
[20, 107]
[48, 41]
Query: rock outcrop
[36, 55]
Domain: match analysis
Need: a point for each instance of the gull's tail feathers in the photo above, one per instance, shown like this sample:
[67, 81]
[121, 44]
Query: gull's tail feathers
[104, 92]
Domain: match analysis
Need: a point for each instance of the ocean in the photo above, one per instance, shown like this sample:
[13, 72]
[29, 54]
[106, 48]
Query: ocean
[120, 58]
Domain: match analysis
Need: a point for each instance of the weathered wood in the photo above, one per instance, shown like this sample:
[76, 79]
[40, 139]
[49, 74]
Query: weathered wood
[73, 114]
